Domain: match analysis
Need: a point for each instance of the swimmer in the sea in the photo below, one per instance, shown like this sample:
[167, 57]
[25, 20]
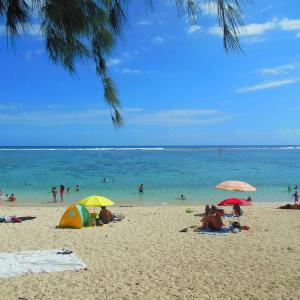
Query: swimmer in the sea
[12, 198]
[141, 188]
[107, 180]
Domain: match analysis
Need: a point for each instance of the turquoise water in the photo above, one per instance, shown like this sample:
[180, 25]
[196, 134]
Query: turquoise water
[166, 172]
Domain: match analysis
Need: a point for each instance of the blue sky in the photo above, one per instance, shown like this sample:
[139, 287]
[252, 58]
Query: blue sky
[176, 83]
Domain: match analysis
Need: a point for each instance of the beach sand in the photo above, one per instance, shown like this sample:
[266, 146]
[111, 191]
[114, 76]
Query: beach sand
[146, 257]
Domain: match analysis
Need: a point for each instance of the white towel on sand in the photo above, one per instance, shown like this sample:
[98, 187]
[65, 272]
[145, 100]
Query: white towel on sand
[19, 263]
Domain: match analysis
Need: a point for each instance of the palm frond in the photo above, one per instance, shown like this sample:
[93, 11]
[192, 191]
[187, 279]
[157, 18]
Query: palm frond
[89, 29]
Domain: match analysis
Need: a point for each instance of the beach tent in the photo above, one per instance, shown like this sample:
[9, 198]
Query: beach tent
[76, 216]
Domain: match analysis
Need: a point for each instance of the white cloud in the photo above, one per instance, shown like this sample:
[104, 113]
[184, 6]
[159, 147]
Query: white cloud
[30, 54]
[289, 133]
[215, 30]
[258, 29]
[158, 40]
[288, 25]
[144, 22]
[209, 8]
[33, 30]
[278, 70]
[114, 62]
[246, 133]
[132, 116]
[254, 39]
[47, 117]
[170, 3]
[248, 30]
[179, 117]
[193, 28]
[11, 106]
[131, 71]
[267, 85]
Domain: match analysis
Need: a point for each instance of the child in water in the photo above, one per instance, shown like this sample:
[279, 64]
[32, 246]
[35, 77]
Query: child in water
[54, 192]
[296, 197]
[62, 192]
[141, 188]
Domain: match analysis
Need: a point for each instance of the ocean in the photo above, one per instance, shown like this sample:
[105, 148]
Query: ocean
[166, 172]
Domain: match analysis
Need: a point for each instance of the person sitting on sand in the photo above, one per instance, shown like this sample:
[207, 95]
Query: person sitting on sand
[212, 221]
[105, 215]
[207, 209]
[249, 199]
[12, 197]
[237, 210]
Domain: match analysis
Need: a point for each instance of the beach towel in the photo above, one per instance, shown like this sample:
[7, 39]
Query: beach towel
[14, 219]
[56, 260]
[228, 216]
[223, 231]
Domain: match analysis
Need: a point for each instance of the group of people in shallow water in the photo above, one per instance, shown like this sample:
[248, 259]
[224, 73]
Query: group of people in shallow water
[11, 198]
[295, 196]
[62, 192]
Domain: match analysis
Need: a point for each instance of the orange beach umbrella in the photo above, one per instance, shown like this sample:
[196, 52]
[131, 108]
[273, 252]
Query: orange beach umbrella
[238, 186]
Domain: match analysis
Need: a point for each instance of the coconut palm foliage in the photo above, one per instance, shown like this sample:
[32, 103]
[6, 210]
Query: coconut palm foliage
[89, 30]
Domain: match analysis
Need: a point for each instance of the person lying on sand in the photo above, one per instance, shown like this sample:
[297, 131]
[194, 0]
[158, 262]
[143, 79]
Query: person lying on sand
[290, 206]
[237, 210]
[212, 221]
[105, 215]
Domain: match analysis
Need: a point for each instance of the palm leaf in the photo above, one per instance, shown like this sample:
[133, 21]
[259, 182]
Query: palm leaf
[86, 29]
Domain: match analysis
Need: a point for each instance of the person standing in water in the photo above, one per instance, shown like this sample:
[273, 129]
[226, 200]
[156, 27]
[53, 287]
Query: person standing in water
[12, 198]
[141, 188]
[289, 189]
[54, 192]
[77, 188]
[62, 192]
[296, 197]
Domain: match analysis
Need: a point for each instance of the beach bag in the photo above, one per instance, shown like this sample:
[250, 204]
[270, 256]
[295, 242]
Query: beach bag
[236, 225]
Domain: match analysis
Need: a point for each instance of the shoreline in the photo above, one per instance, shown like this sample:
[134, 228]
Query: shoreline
[131, 204]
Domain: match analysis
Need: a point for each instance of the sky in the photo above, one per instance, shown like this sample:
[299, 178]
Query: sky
[175, 81]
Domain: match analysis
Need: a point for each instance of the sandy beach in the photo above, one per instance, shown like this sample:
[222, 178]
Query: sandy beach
[146, 257]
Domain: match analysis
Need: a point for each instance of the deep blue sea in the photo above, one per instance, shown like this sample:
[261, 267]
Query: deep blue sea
[166, 172]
